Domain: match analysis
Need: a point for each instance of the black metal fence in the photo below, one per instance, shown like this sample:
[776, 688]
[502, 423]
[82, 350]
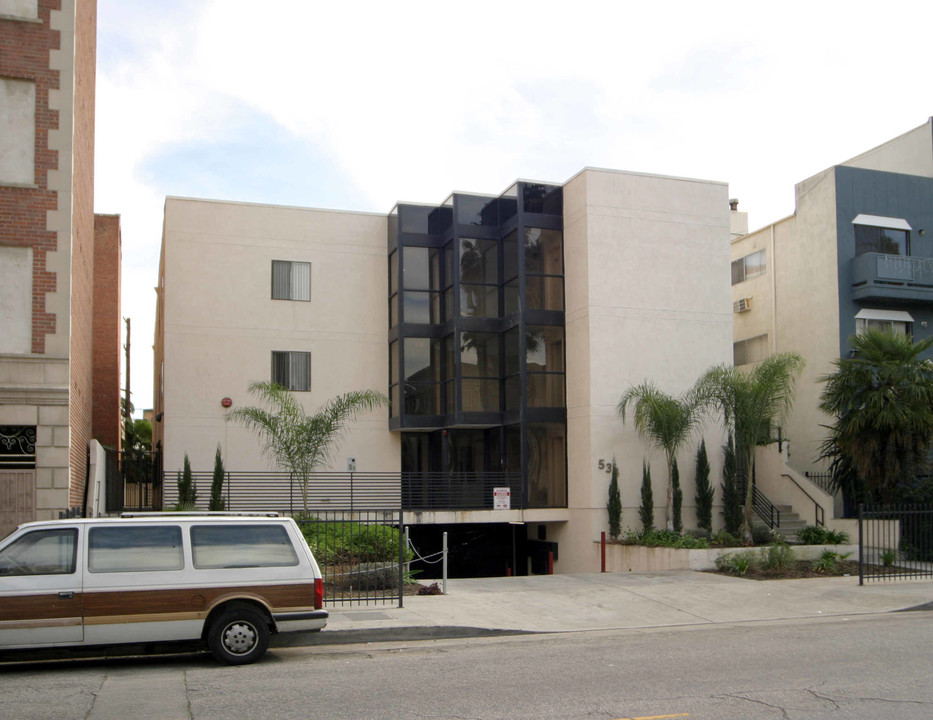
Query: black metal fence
[362, 555]
[133, 480]
[895, 542]
[348, 491]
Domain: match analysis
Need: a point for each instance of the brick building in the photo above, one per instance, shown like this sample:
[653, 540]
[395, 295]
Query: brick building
[59, 280]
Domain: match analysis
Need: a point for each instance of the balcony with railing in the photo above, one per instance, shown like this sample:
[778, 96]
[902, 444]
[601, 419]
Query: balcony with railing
[876, 276]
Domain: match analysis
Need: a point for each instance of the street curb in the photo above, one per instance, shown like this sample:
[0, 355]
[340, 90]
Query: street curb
[393, 634]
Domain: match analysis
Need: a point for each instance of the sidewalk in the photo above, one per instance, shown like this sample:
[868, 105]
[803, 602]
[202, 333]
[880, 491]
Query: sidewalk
[565, 603]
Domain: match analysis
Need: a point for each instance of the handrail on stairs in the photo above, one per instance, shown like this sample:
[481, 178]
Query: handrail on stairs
[818, 513]
[766, 510]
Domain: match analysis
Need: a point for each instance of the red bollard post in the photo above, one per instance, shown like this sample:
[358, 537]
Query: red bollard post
[508, 571]
[602, 551]
[550, 563]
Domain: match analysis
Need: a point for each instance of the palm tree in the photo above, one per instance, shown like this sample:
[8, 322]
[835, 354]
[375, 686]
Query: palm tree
[882, 399]
[664, 420]
[750, 404]
[298, 442]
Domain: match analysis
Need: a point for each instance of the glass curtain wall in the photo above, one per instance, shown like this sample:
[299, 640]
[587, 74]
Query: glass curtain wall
[476, 338]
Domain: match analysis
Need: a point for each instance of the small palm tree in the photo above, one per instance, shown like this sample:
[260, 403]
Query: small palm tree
[298, 442]
[751, 403]
[882, 399]
[664, 420]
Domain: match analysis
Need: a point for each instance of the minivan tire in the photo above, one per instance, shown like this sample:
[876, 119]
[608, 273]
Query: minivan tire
[238, 636]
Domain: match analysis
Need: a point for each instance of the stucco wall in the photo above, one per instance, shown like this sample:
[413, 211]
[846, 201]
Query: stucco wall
[910, 153]
[221, 325]
[647, 298]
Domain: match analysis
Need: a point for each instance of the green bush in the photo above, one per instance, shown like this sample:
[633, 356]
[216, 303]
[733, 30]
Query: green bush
[777, 557]
[737, 563]
[700, 533]
[646, 509]
[888, 558]
[337, 543]
[726, 539]
[665, 538]
[677, 499]
[829, 562]
[762, 535]
[614, 504]
[704, 490]
[815, 535]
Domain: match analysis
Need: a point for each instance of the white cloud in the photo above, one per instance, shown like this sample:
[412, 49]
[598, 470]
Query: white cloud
[410, 101]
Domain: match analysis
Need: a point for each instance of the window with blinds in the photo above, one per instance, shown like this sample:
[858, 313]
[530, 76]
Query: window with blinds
[291, 280]
[292, 370]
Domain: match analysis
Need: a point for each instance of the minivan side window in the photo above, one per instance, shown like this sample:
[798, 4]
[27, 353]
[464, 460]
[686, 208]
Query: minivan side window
[41, 552]
[240, 546]
[135, 549]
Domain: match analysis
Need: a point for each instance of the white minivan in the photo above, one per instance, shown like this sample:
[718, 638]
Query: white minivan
[228, 580]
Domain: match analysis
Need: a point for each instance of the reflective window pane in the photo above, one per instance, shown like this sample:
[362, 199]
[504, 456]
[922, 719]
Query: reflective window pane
[545, 390]
[544, 293]
[544, 254]
[422, 398]
[479, 261]
[421, 307]
[544, 348]
[510, 256]
[547, 465]
[480, 395]
[418, 359]
[479, 301]
[479, 354]
[416, 274]
[393, 272]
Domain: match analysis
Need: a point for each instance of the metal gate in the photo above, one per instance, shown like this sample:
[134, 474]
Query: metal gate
[895, 542]
[17, 499]
[361, 553]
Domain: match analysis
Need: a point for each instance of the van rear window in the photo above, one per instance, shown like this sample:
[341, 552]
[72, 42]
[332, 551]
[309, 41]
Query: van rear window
[135, 549]
[240, 546]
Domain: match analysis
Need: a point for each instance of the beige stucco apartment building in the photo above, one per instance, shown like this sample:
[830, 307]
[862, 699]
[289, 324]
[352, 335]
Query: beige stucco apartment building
[856, 253]
[504, 329]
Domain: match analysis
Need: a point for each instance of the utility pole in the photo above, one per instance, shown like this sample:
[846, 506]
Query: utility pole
[126, 398]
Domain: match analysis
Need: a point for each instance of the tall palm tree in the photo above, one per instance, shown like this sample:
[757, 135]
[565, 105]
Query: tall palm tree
[664, 420]
[882, 399]
[751, 403]
[298, 442]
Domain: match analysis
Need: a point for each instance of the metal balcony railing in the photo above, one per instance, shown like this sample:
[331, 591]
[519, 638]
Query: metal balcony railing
[875, 275]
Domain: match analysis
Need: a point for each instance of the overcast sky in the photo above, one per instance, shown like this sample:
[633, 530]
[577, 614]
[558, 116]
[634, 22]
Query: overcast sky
[357, 105]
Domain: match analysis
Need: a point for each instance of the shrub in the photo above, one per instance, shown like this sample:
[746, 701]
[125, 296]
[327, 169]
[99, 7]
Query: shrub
[677, 498]
[217, 483]
[726, 539]
[762, 535]
[646, 510]
[704, 490]
[737, 563]
[777, 557]
[888, 558]
[815, 535]
[337, 543]
[829, 562]
[700, 534]
[614, 505]
[187, 488]
[432, 589]
[731, 496]
[665, 538]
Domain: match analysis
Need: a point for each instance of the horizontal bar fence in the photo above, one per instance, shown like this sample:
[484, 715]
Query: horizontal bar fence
[280, 492]
[895, 542]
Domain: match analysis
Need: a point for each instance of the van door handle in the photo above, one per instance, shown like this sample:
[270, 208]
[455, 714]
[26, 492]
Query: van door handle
[67, 595]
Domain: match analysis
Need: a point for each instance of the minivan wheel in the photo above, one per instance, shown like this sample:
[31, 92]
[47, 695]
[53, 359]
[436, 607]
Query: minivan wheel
[239, 636]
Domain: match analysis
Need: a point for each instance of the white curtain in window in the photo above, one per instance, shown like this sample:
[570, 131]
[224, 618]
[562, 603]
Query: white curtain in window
[301, 281]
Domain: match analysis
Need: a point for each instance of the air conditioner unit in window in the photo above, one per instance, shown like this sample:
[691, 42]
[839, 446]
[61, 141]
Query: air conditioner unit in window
[742, 305]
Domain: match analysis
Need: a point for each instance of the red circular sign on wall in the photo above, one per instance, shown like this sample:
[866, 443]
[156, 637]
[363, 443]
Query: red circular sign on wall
[226, 402]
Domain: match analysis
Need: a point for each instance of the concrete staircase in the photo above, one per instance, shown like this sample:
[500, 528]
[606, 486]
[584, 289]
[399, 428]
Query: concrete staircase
[790, 523]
